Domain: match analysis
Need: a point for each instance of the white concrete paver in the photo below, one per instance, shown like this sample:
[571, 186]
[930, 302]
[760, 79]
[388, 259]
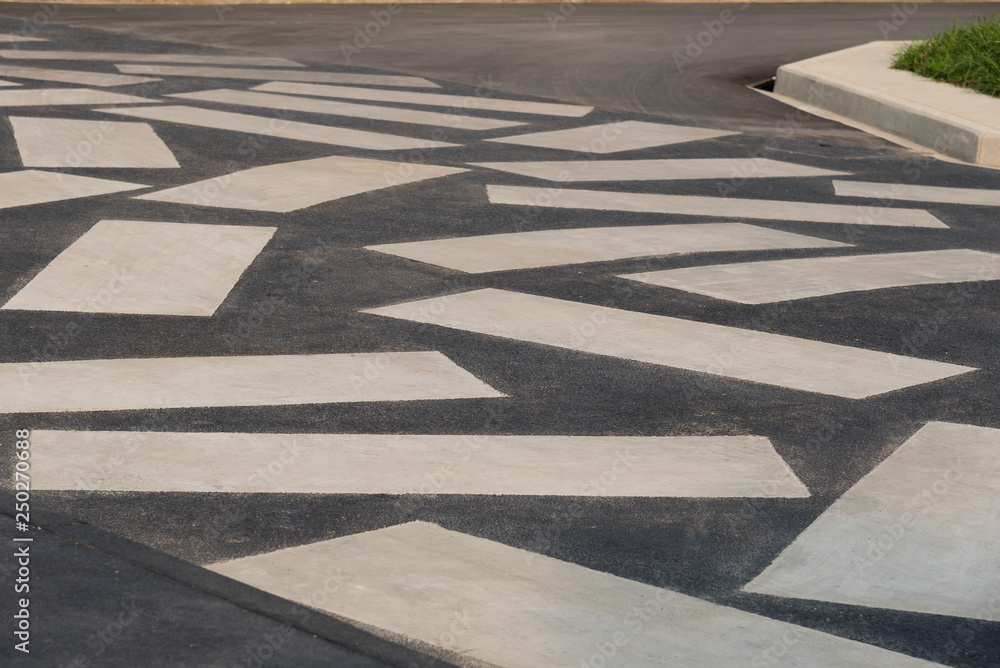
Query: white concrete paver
[918, 533]
[457, 102]
[37, 187]
[781, 280]
[273, 127]
[679, 466]
[251, 98]
[65, 142]
[688, 205]
[124, 266]
[578, 171]
[614, 137]
[813, 366]
[518, 609]
[291, 186]
[261, 380]
[278, 75]
[546, 248]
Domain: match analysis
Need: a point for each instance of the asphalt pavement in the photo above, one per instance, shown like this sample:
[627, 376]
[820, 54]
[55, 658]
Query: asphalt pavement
[106, 555]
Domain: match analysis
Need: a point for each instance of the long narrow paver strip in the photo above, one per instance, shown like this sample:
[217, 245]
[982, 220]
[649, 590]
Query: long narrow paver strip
[457, 102]
[781, 280]
[275, 127]
[251, 98]
[278, 75]
[680, 466]
[545, 248]
[66, 142]
[688, 205]
[578, 171]
[79, 77]
[918, 193]
[509, 607]
[52, 97]
[918, 533]
[272, 380]
[125, 266]
[761, 357]
[36, 187]
[614, 137]
[296, 185]
[207, 59]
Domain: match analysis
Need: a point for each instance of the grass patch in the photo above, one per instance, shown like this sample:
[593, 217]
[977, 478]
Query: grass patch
[967, 55]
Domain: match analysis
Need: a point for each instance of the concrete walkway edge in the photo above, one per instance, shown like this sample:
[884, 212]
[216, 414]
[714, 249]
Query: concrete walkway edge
[858, 84]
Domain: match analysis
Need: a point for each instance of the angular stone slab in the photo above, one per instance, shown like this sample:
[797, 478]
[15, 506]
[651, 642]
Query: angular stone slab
[509, 607]
[546, 248]
[918, 533]
[52, 97]
[801, 364]
[251, 98]
[915, 193]
[79, 77]
[457, 102]
[254, 61]
[614, 137]
[291, 186]
[578, 171]
[36, 187]
[620, 466]
[124, 266]
[781, 280]
[278, 75]
[688, 205]
[65, 142]
[263, 380]
[273, 127]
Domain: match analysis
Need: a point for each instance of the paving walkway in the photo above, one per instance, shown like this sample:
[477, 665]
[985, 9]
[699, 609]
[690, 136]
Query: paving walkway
[356, 367]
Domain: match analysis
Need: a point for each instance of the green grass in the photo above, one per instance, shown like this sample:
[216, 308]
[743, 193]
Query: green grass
[966, 55]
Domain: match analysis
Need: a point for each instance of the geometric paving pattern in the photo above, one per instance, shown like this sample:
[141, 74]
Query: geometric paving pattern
[71, 76]
[296, 185]
[521, 609]
[337, 108]
[35, 97]
[428, 99]
[281, 75]
[780, 280]
[64, 142]
[37, 54]
[614, 137]
[694, 466]
[918, 533]
[36, 187]
[269, 127]
[546, 248]
[973, 196]
[812, 366]
[122, 266]
[251, 380]
[688, 205]
[614, 472]
[652, 170]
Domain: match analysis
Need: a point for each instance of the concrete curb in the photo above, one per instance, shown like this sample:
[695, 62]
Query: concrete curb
[858, 84]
